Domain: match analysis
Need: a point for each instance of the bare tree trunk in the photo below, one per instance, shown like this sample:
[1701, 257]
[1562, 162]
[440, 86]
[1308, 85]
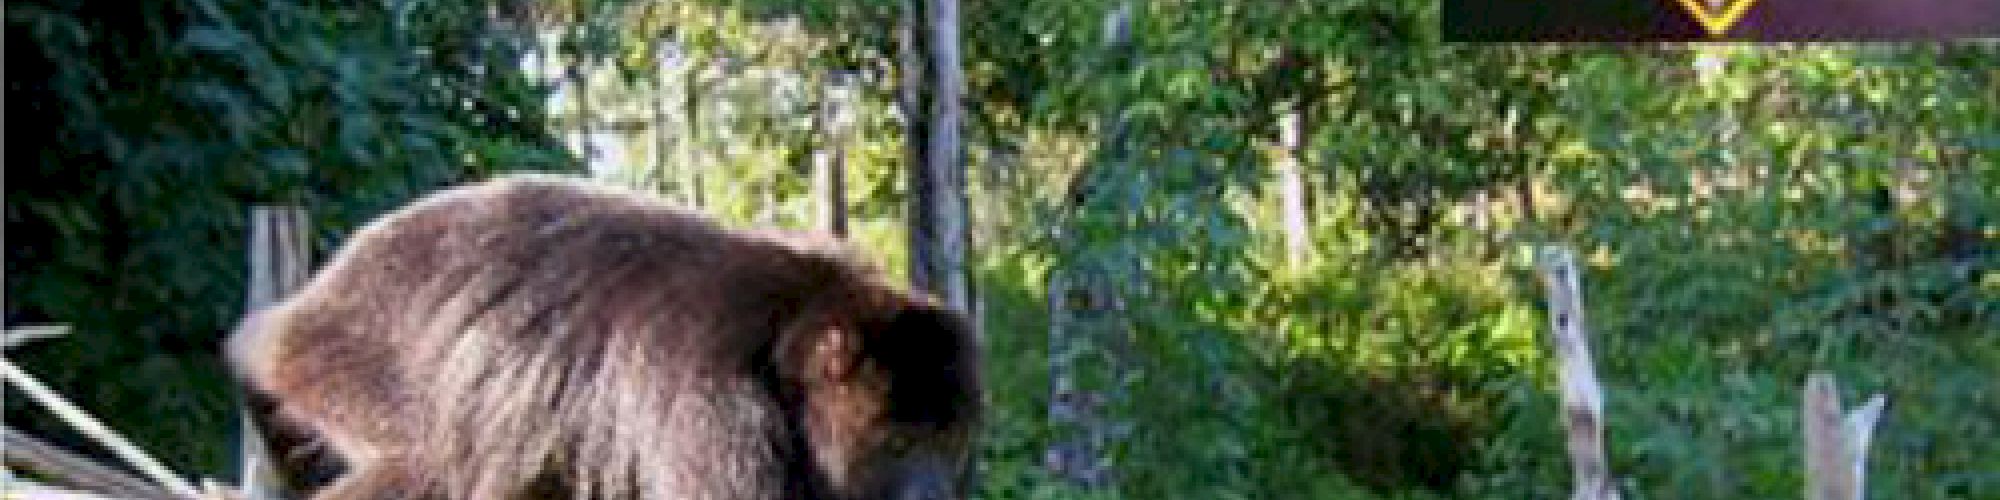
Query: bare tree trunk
[947, 159]
[1292, 188]
[911, 98]
[933, 85]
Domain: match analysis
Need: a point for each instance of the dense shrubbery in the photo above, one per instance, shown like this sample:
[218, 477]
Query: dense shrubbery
[1805, 208]
[140, 134]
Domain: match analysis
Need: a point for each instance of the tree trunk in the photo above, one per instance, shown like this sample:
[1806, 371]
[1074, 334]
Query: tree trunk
[933, 84]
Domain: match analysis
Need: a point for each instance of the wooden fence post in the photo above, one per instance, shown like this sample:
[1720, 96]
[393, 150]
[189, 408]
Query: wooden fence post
[279, 262]
[1583, 397]
[835, 122]
[1836, 444]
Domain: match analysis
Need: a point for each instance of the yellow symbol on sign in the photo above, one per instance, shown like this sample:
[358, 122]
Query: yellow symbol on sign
[1716, 16]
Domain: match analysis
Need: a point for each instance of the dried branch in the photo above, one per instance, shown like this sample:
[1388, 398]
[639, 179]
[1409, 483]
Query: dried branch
[15, 337]
[68, 469]
[90, 427]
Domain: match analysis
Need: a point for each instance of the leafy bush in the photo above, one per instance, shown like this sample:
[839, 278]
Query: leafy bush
[142, 134]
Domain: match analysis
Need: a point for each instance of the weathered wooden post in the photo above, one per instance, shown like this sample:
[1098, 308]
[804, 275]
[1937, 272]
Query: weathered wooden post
[279, 262]
[1583, 397]
[835, 122]
[1836, 444]
[1292, 184]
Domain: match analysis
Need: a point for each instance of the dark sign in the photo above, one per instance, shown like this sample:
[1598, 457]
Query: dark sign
[1718, 20]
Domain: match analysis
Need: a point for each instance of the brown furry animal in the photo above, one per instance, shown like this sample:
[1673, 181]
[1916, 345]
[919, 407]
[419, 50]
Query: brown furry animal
[535, 337]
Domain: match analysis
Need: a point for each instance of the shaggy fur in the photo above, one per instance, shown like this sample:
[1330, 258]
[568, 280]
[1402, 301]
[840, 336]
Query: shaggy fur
[536, 337]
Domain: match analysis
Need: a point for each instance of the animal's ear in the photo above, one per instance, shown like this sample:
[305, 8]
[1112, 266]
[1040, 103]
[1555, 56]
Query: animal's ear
[833, 353]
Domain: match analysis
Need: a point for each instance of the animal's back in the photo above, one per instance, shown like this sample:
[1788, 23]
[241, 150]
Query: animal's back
[539, 309]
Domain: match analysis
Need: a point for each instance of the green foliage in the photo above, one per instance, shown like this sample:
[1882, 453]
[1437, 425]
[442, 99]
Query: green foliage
[142, 134]
[1824, 224]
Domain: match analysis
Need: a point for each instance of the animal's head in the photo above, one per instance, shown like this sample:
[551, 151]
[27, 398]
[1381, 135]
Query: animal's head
[891, 402]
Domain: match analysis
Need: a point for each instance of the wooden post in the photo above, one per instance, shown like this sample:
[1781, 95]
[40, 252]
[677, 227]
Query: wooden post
[1583, 397]
[1836, 445]
[279, 257]
[830, 162]
[1292, 185]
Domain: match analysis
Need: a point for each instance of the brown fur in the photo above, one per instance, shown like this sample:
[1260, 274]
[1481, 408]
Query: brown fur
[535, 336]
